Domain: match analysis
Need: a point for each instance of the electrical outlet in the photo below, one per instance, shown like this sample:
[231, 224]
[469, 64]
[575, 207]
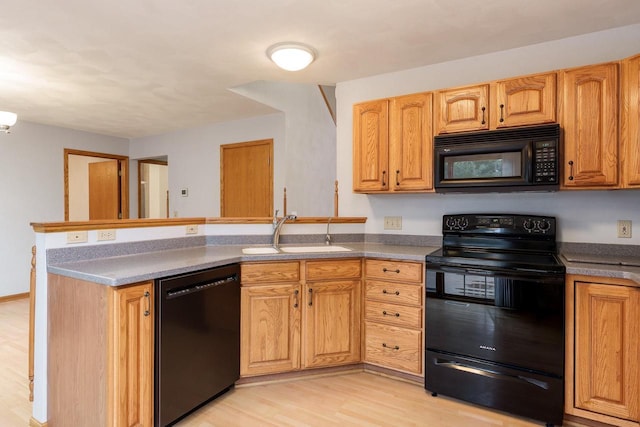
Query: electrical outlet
[106, 235]
[624, 228]
[192, 229]
[393, 223]
[77, 237]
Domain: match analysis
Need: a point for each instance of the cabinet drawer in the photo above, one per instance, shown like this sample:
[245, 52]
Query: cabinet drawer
[396, 315]
[394, 347]
[334, 269]
[394, 270]
[269, 272]
[395, 293]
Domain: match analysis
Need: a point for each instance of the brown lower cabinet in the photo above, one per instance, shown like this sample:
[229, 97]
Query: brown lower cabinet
[100, 353]
[603, 350]
[394, 315]
[298, 315]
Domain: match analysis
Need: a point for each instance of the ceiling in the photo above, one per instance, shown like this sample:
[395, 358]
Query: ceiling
[136, 68]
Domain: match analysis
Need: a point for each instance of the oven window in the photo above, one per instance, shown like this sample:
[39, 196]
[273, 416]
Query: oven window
[478, 166]
[470, 286]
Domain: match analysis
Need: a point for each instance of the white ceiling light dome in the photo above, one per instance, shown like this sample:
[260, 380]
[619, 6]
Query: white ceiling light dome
[291, 56]
[7, 120]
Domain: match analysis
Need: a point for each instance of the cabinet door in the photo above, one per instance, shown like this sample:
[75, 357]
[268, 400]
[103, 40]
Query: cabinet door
[270, 329]
[607, 356]
[332, 323]
[525, 101]
[462, 109]
[371, 146]
[411, 142]
[630, 131]
[590, 123]
[131, 386]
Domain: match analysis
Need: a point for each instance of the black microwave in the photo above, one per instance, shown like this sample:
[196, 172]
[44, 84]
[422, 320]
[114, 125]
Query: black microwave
[522, 159]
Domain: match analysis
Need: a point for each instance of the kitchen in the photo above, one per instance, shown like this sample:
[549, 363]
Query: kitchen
[584, 216]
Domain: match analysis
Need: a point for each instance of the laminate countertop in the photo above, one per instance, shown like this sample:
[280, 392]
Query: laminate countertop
[615, 266]
[127, 269]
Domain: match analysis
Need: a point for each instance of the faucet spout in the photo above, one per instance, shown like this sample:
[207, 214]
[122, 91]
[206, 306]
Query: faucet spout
[276, 229]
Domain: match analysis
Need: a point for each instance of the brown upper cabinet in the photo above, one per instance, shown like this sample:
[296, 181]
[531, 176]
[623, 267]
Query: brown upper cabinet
[520, 101]
[589, 117]
[523, 101]
[630, 129]
[393, 144]
[462, 109]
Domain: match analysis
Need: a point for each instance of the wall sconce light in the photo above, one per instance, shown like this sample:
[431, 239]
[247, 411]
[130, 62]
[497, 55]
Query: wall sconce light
[7, 120]
[291, 56]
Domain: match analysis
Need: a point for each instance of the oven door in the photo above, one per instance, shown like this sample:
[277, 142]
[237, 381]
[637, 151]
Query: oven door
[510, 318]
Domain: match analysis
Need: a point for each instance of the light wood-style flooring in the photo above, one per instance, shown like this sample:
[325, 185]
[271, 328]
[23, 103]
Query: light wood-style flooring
[15, 408]
[349, 399]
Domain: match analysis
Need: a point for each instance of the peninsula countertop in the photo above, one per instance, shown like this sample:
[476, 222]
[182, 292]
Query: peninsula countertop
[127, 269]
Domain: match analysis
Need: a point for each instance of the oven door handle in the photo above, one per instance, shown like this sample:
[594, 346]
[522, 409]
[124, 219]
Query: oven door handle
[489, 373]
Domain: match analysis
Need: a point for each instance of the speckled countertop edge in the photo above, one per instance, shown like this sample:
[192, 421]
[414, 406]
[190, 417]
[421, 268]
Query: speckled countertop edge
[127, 269]
[605, 266]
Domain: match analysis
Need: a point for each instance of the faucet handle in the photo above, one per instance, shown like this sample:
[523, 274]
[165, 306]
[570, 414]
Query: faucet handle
[275, 215]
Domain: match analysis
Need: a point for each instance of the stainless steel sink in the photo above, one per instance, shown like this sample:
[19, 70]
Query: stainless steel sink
[314, 249]
[259, 251]
[268, 250]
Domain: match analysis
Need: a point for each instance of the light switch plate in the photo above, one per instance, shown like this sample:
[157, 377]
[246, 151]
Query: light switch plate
[393, 223]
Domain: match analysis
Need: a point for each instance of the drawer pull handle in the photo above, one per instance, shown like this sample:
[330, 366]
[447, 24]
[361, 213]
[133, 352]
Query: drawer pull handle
[395, 347]
[384, 291]
[384, 270]
[384, 313]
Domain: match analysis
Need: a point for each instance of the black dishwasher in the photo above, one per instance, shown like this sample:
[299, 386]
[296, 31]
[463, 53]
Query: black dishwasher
[197, 347]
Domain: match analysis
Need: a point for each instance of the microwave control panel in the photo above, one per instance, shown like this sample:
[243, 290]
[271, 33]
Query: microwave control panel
[545, 161]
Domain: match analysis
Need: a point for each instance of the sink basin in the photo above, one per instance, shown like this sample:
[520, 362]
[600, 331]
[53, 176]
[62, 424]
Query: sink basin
[302, 249]
[259, 251]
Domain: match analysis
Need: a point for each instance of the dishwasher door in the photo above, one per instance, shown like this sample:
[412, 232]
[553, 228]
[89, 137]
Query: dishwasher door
[197, 347]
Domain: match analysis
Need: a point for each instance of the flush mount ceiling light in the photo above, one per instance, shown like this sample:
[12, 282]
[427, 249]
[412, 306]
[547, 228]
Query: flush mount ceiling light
[7, 120]
[291, 56]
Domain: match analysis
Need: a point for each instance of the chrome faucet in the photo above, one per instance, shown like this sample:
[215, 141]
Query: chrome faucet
[276, 229]
[327, 237]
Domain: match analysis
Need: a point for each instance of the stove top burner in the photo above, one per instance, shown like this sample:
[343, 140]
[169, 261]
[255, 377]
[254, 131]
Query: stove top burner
[542, 263]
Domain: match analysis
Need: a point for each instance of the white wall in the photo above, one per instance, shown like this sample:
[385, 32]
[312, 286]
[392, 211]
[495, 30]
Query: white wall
[584, 216]
[32, 189]
[310, 162]
[194, 161]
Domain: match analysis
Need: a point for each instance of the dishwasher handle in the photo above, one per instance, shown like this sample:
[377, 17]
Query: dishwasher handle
[198, 287]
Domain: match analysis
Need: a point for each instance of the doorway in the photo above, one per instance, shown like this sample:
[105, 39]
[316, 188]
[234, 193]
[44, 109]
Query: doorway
[246, 179]
[153, 188]
[95, 186]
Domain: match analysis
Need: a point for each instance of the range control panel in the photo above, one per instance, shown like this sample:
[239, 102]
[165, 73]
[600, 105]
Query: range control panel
[505, 224]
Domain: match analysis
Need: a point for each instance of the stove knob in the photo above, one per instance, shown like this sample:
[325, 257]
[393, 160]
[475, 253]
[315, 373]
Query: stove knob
[450, 223]
[544, 225]
[528, 225]
[464, 223]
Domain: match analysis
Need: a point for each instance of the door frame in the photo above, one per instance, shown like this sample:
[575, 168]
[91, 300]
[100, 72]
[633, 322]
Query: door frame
[151, 162]
[123, 165]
